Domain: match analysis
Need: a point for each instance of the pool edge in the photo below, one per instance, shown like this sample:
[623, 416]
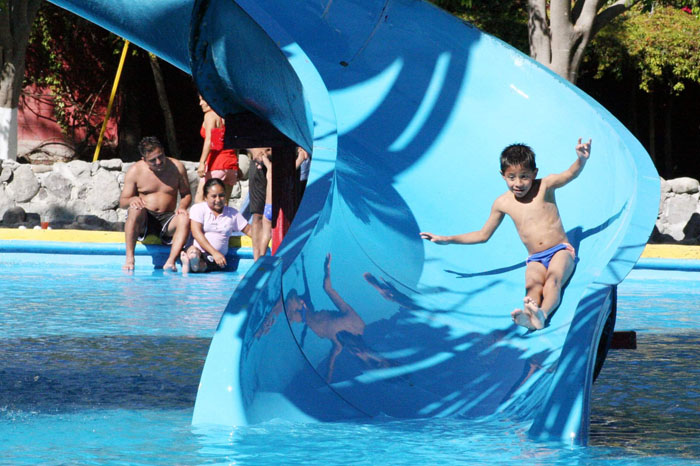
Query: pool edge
[89, 236]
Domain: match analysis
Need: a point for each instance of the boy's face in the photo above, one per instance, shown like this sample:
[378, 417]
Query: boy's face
[519, 180]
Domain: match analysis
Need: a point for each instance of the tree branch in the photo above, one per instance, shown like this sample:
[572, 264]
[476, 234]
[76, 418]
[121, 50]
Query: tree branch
[576, 10]
[577, 56]
[610, 13]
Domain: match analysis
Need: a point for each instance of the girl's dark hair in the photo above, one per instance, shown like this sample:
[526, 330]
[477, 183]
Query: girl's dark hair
[518, 154]
[211, 182]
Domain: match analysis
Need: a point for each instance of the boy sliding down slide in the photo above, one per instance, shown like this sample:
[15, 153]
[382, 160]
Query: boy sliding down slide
[530, 202]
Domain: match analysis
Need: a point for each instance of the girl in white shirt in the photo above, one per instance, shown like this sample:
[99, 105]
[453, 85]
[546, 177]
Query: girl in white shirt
[211, 223]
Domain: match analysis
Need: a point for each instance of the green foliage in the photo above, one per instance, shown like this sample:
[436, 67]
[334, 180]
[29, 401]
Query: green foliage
[75, 60]
[662, 46]
[505, 19]
[650, 5]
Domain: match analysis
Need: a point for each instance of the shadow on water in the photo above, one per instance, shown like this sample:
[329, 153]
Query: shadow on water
[58, 374]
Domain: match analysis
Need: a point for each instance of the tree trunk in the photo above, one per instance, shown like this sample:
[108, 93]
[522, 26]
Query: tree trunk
[165, 106]
[538, 30]
[559, 40]
[16, 18]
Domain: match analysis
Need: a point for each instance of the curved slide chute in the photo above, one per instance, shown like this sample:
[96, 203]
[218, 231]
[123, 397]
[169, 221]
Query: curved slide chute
[405, 109]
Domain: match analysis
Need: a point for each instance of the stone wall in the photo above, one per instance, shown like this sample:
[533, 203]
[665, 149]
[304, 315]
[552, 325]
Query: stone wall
[77, 194]
[679, 212]
[85, 195]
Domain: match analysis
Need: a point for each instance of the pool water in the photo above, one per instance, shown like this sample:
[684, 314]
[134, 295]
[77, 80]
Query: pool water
[648, 400]
[102, 368]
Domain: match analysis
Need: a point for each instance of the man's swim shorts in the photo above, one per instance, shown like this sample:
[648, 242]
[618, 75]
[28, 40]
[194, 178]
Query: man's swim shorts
[157, 224]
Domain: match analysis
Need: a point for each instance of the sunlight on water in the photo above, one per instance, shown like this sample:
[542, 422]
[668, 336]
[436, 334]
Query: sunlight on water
[80, 301]
[103, 368]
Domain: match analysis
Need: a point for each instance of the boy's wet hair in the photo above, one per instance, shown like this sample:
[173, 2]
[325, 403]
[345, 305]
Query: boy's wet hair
[211, 182]
[148, 144]
[518, 154]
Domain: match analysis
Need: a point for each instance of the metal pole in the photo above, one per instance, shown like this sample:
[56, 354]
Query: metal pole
[111, 100]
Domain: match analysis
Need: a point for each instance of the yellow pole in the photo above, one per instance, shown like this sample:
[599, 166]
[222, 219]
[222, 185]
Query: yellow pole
[111, 100]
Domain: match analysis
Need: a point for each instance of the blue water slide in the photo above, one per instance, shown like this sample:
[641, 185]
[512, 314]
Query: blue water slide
[405, 110]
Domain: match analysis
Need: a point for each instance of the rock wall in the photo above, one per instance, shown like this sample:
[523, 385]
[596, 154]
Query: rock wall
[679, 212]
[85, 195]
[77, 194]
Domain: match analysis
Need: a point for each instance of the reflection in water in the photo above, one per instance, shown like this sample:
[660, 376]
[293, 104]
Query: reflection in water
[343, 328]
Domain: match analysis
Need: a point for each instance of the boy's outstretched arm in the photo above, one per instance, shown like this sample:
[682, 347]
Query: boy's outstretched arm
[583, 152]
[474, 237]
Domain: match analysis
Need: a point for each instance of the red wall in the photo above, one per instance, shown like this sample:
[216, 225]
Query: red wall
[36, 121]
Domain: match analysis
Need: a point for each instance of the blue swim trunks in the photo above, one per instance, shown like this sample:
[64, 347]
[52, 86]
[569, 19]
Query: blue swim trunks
[545, 256]
[268, 212]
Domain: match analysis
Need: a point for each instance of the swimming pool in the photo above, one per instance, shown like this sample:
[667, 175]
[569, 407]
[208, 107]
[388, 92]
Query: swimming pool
[99, 366]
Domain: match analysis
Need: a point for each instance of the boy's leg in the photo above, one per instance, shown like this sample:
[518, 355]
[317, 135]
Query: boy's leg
[535, 276]
[179, 228]
[134, 222]
[560, 269]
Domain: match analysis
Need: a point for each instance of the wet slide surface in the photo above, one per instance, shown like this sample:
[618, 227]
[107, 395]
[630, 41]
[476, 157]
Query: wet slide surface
[405, 110]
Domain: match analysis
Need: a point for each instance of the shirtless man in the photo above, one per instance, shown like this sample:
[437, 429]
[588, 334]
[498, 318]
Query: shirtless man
[150, 194]
[531, 204]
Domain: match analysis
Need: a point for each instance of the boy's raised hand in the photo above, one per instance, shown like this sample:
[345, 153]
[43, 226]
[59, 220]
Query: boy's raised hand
[583, 150]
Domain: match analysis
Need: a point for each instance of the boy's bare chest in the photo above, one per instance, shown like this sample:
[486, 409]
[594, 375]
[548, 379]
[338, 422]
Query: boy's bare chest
[538, 209]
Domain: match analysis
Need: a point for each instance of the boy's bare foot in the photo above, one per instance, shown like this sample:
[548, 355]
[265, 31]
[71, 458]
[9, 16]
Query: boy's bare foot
[531, 316]
[128, 264]
[521, 318]
[185, 262]
[170, 267]
[537, 317]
